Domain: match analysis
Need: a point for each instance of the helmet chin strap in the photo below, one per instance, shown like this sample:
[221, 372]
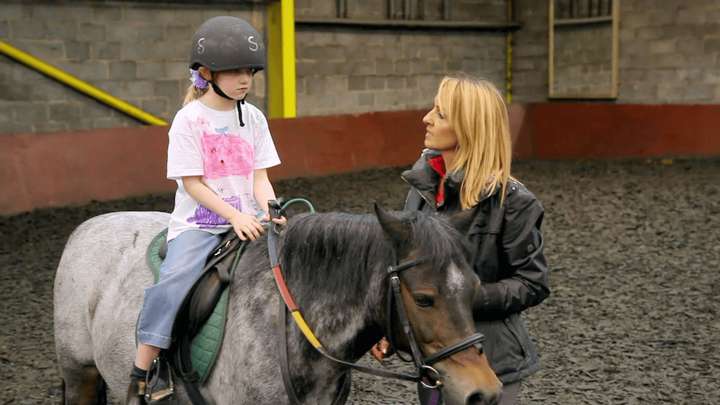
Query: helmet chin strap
[221, 93]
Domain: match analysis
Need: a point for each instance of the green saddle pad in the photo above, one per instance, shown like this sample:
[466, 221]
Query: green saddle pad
[206, 344]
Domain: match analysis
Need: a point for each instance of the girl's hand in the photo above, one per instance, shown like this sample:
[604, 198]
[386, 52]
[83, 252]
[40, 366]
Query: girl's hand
[246, 226]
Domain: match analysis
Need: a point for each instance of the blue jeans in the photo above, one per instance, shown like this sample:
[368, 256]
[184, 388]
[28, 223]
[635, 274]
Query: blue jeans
[182, 267]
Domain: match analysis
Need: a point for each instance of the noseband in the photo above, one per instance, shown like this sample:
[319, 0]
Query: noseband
[425, 373]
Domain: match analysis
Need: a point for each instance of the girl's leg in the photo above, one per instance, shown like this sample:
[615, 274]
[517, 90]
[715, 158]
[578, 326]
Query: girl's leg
[179, 271]
[145, 356]
[182, 267]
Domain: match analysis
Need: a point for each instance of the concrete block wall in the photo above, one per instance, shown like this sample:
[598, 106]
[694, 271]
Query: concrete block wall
[346, 71]
[137, 52]
[669, 52]
[583, 59]
[530, 52]
[353, 70]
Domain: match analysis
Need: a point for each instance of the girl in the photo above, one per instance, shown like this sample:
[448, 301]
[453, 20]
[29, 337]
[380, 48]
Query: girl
[218, 153]
[466, 166]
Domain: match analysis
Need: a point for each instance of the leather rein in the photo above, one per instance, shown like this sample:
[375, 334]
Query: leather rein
[425, 373]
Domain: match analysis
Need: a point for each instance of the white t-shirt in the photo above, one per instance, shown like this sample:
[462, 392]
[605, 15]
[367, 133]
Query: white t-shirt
[212, 144]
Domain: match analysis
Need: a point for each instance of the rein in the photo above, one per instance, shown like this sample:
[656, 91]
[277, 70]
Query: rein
[426, 375]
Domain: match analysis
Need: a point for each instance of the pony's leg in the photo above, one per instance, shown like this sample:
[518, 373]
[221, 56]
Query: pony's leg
[84, 386]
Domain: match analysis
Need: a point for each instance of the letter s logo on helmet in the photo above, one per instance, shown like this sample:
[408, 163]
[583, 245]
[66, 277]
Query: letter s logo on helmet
[253, 45]
[227, 43]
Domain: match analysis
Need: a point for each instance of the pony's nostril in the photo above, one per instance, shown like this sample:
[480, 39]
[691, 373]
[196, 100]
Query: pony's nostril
[477, 398]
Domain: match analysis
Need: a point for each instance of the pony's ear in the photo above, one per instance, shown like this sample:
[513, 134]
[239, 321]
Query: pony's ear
[462, 220]
[398, 230]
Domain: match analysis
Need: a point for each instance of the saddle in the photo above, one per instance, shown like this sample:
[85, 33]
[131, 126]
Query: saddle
[200, 324]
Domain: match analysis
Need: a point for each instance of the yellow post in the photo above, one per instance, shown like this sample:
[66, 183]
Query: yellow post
[509, 54]
[281, 59]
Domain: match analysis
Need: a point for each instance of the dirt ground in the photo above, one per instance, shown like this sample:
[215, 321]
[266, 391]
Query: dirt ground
[634, 248]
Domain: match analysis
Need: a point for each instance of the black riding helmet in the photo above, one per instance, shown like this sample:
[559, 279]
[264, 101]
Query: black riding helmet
[226, 43]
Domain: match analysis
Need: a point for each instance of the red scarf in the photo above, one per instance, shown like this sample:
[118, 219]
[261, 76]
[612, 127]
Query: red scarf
[438, 165]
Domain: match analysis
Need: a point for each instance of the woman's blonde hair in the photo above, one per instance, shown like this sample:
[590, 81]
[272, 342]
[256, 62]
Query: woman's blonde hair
[478, 115]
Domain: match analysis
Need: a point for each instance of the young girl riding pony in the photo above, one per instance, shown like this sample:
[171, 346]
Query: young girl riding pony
[219, 149]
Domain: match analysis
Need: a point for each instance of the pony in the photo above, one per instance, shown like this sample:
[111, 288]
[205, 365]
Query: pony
[336, 266]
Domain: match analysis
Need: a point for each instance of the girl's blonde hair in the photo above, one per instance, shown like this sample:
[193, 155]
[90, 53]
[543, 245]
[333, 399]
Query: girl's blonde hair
[478, 115]
[193, 93]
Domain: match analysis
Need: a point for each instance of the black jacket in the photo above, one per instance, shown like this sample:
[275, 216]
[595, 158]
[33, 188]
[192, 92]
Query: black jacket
[508, 259]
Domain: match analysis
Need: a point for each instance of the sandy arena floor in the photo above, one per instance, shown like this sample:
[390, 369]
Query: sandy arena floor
[634, 248]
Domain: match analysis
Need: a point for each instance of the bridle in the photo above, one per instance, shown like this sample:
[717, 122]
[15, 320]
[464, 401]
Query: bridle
[425, 374]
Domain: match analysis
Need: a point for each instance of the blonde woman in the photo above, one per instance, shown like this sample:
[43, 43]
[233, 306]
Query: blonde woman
[466, 167]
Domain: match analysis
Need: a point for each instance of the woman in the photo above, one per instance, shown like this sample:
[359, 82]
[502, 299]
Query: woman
[466, 166]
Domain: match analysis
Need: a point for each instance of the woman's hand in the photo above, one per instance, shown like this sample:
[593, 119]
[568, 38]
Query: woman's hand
[380, 350]
[280, 221]
[246, 226]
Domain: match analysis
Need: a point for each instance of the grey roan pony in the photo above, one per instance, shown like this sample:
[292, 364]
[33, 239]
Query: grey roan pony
[336, 267]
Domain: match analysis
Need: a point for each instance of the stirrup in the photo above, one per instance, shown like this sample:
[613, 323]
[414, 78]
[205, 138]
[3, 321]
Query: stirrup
[136, 392]
[159, 384]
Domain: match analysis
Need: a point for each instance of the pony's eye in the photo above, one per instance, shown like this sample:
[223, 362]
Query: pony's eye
[424, 300]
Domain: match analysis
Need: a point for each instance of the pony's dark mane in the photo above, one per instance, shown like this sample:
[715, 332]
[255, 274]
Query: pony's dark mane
[340, 252]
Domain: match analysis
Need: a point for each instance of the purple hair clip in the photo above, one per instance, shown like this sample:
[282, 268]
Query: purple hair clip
[197, 80]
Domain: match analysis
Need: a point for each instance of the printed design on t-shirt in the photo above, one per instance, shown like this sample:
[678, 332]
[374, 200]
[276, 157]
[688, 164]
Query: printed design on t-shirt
[206, 218]
[226, 155]
[201, 123]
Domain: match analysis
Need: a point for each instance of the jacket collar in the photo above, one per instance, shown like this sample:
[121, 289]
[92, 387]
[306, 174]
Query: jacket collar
[425, 179]
[422, 176]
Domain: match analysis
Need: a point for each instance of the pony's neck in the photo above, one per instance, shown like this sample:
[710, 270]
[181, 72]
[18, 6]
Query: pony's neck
[349, 328]
[335, 265]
